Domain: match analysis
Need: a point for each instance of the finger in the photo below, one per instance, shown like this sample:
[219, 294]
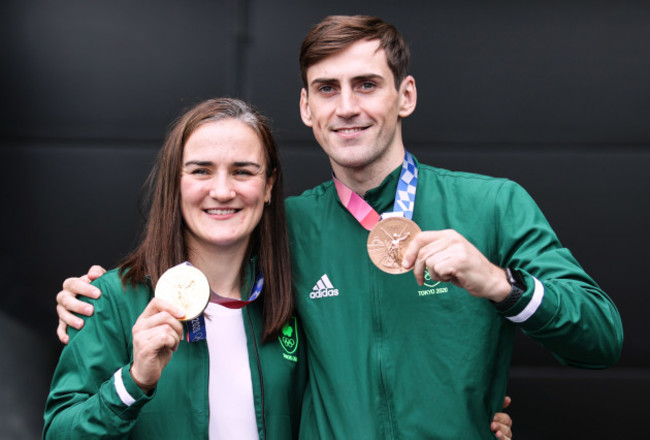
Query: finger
[158, 305]
[153, 348]
[95, 272]
[502, 423]
[430, 246]
[418, 270]
[440, 265]
[80, 286]
[501, 431]
[61, 332]
[506, 401]
[146, 323]
[502, 418]
[153, 339]
[413, 249]
[501, 434]
[69, 319]
[68, 301]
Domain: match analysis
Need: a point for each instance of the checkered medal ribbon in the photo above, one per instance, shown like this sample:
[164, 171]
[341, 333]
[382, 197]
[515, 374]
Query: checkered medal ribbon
[408, 181]
[404, 197]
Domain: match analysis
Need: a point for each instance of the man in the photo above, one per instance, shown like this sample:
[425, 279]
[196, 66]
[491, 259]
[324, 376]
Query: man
[422, 355]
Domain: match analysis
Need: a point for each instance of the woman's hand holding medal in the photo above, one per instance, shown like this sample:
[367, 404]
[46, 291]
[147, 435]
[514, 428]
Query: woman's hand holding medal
[182, 293]
[156, 335]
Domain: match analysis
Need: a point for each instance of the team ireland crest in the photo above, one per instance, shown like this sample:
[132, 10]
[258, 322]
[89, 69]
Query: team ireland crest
[289, 336]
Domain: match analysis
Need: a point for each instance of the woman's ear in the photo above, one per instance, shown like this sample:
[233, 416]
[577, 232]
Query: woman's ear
[269, 186]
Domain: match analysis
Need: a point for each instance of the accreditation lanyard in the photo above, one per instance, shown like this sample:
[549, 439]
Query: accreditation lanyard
[196, 327]
[404, 197]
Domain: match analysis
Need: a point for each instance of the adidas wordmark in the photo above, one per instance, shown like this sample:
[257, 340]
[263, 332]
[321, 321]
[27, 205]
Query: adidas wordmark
[323, 288]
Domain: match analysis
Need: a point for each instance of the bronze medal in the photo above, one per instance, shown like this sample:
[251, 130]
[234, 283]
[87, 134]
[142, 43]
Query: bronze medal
[186, 287]
[388, 242]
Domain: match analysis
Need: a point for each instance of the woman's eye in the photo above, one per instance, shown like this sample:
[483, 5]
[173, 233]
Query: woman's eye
[200, 172]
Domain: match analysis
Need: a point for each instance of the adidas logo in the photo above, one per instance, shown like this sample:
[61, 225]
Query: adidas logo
[323, 288]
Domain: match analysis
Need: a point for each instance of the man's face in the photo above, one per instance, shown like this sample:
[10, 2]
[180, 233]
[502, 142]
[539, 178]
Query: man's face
[354, 109]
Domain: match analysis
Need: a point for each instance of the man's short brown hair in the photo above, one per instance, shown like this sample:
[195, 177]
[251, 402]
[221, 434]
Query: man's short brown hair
[337, 32]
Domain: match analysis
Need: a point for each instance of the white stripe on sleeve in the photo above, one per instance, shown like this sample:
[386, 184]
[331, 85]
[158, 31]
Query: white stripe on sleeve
[125, 397]
[532, 306]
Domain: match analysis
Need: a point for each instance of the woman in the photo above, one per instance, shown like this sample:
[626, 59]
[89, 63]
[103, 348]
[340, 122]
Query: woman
[216, 202]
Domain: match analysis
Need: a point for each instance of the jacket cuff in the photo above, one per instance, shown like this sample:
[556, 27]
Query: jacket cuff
[535, 308]
[123, 396]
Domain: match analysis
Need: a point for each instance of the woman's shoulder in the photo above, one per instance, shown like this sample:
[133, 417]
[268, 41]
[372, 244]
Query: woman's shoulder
[115, 291]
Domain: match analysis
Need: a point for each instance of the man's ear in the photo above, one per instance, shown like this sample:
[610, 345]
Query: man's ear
[305, 110]
[408, 96]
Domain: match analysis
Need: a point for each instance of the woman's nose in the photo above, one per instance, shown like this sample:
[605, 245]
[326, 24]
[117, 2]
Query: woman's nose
[222, 188]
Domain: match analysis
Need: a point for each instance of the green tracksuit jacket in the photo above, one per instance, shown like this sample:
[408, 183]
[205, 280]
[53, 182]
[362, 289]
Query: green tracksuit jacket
[84, 402]
[390, 359]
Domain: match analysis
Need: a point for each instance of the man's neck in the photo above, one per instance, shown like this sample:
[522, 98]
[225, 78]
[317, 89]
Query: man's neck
[361, 180]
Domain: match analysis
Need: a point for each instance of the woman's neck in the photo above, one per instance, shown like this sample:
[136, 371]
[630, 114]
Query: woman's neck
[222, 267]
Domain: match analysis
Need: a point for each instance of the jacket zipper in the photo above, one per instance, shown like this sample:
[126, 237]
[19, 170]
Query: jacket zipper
[390, 431]
[259, 370]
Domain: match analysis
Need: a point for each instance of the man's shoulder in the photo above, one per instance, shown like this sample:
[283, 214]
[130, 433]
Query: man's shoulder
[460, 176]
[469, 185]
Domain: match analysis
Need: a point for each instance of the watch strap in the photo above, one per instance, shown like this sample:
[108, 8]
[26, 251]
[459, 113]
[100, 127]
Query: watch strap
[517, 289]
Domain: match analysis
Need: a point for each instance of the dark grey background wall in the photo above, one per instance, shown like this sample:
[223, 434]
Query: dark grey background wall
[554, 95]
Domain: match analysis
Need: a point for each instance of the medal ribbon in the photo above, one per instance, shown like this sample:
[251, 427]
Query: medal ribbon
[233, 303]
[404, 197]
[196, 327]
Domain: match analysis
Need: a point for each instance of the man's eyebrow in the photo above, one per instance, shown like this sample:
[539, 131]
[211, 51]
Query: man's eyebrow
[365, 77]
[368, 77]
[319, 81]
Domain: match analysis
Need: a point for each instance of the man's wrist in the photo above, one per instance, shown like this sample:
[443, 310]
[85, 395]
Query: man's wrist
[517, 289]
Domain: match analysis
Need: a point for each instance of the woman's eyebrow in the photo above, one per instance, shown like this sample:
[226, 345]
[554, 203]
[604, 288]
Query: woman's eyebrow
[201, 163]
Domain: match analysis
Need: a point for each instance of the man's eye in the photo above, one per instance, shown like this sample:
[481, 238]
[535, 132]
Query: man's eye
[326, 89]
[367, 85]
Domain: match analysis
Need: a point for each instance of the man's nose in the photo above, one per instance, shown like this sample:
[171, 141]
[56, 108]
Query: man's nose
[348, 104]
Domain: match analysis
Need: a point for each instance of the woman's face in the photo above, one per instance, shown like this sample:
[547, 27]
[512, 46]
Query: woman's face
[223, 185]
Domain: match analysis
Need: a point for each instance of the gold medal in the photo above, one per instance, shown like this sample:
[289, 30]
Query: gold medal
[186, 287]
[388, 242]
